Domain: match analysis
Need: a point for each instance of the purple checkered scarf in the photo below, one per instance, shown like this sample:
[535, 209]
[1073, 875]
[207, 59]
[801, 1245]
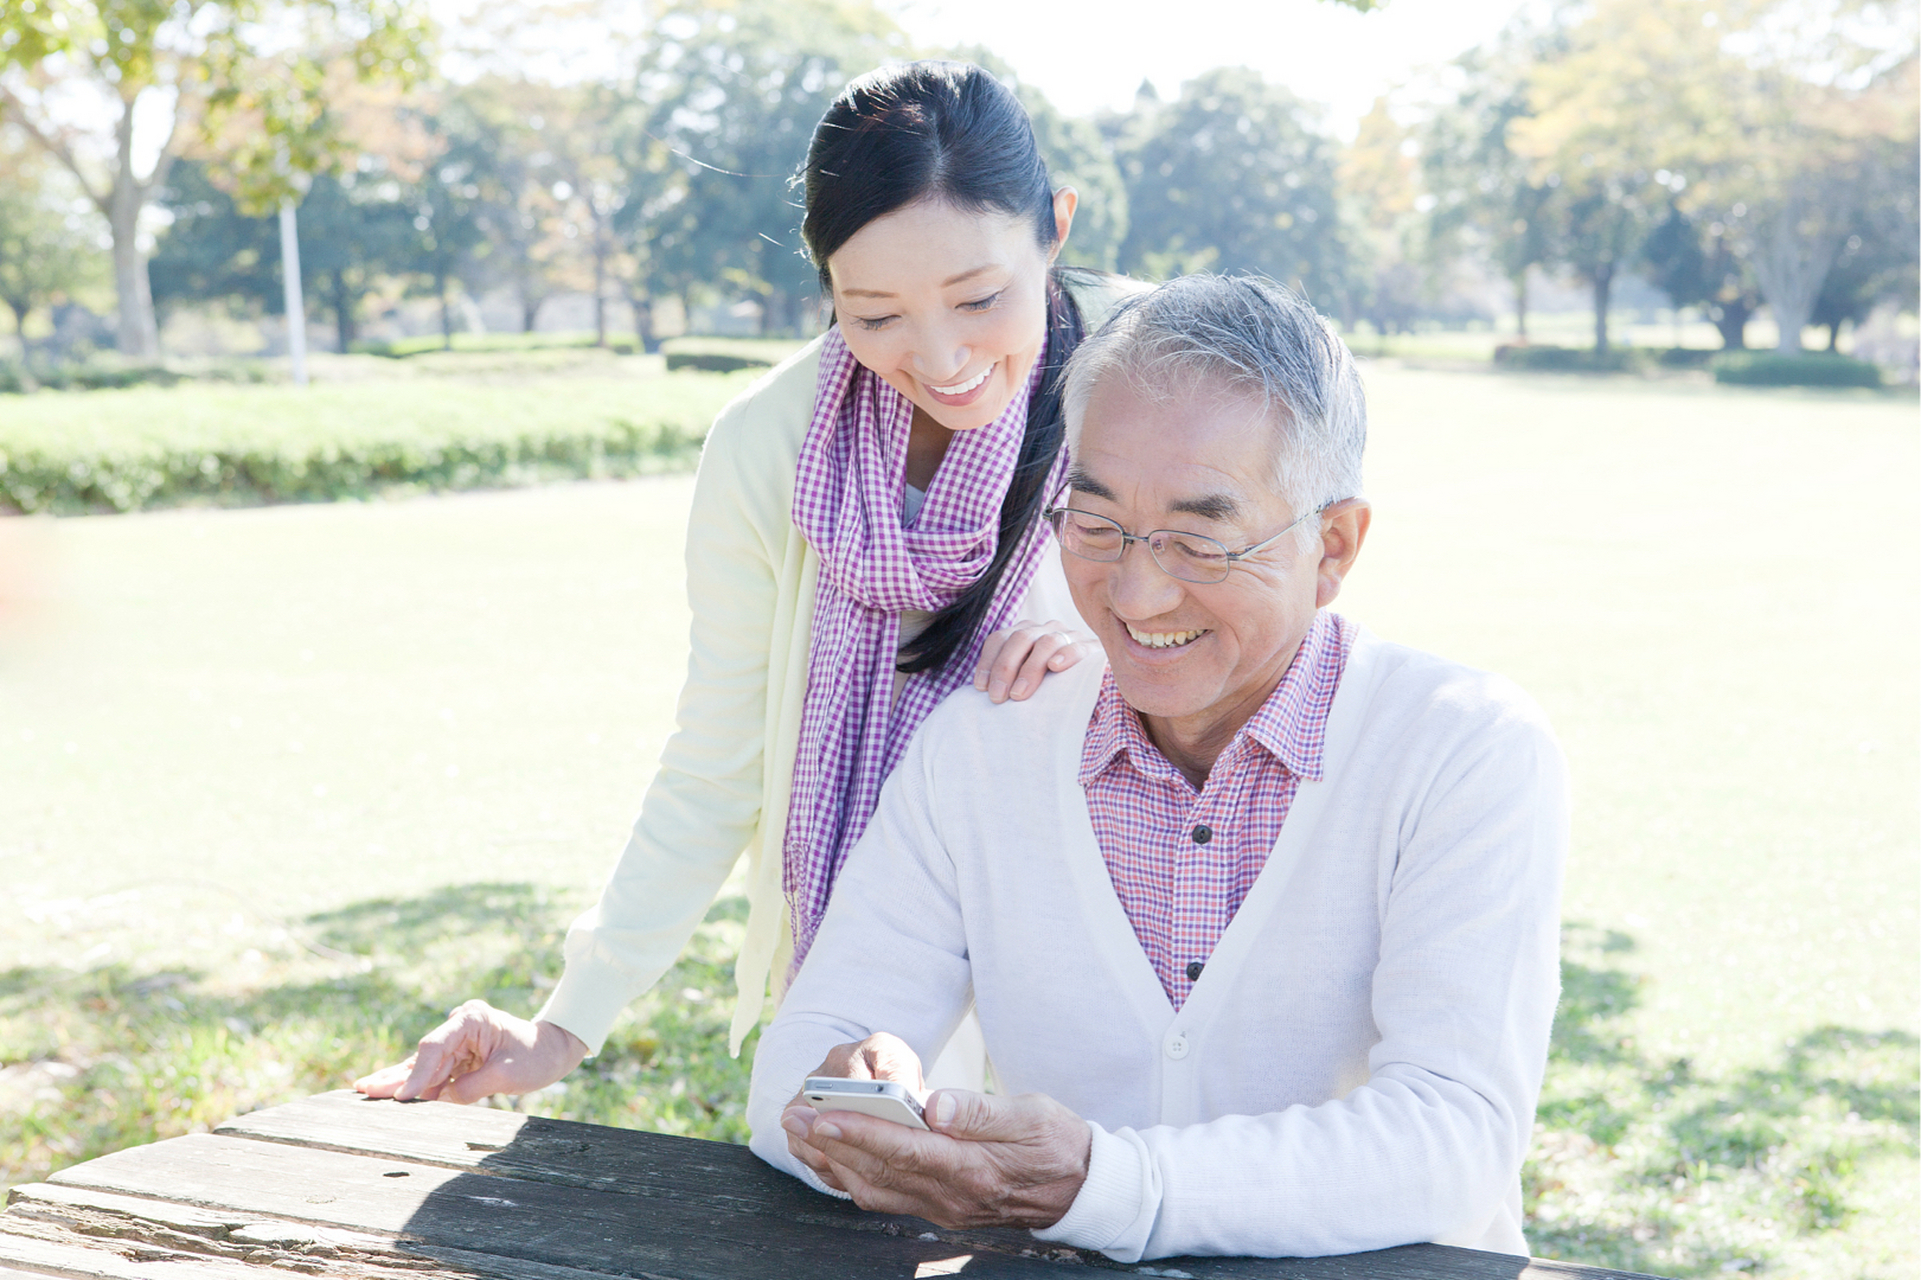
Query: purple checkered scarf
[847, 503]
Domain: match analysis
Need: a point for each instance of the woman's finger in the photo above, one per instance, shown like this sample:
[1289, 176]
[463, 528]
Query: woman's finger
[990, 650]
[1053, 651]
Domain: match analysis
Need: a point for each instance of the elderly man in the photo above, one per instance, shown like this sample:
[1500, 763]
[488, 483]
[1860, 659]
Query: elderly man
[1260, 920]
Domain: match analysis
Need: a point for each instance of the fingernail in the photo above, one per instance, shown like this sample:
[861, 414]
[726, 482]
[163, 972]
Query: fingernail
[794, 1124]
[827, 1129]
[1020, 689]
[980, 680]
[944, 1107]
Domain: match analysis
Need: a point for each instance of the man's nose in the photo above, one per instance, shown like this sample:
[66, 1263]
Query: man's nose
[1141, 589]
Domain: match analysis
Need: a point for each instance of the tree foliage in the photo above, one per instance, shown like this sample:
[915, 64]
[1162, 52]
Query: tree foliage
[259, 75]
[1234, 175]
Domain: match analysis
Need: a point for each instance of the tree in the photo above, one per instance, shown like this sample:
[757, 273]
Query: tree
[1617, 97]
[518, 126]
[1829, 169]
[1381, 204]
[734, 88]
[46, 250]
[210, 251]
[1487, 200]
[1234, 176]
[1697, 266]
[193, 62]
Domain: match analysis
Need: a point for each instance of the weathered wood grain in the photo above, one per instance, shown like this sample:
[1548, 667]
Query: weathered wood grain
[344, 1187]
[633, 1162]
[513, 1218]
[566, 1153]
[116, 1224]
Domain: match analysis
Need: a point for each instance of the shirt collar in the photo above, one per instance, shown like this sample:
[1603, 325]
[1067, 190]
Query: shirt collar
[1290, 726]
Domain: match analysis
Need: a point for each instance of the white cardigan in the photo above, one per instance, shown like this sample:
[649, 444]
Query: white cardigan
[1357, 1066]
[721, 793]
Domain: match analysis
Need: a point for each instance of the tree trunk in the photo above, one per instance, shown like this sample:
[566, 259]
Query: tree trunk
[529, 312]
[343, 308]
[1834, 337]
[1603, 286]
[138, 335]
[644, 322]
[1731, 318]
[600, 288]
[1519, 280]
[446, 309]
[1792, 256]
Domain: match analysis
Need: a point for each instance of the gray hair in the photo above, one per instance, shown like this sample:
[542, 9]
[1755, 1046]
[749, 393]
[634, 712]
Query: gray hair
[1246, 336]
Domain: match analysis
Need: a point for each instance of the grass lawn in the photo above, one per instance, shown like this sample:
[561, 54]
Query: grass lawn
[279, 786]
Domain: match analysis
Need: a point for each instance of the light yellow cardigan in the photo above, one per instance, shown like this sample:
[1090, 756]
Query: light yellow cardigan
[722, 790]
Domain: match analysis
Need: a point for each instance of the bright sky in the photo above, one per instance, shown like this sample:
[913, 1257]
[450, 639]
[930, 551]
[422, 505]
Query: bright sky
[1085, 56]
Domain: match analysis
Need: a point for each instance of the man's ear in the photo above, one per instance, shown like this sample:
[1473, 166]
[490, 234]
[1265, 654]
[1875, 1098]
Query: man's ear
[1066, 200]
[1343, 530]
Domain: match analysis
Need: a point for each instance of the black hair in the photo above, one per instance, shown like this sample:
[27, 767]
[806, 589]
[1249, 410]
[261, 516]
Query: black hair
[947, 131]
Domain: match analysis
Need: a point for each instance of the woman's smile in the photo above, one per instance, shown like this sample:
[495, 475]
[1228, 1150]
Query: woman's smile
[963, 393]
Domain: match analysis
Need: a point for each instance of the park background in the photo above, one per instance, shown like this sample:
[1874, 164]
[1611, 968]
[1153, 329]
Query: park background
[323, 706]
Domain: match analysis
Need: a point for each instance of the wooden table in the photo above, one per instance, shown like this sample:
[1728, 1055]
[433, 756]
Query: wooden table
[337, 1185]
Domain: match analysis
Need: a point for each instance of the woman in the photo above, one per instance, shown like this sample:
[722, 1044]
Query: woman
[865, 534]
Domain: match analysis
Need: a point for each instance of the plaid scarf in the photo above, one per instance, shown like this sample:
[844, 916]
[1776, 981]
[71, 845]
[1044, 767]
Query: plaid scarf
[847, 503]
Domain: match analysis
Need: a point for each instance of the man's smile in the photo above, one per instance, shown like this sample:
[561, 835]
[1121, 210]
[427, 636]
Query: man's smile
[1162, 639]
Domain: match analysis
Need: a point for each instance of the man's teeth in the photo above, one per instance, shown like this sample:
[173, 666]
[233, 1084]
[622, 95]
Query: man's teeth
[962, 388]
[1163, 639]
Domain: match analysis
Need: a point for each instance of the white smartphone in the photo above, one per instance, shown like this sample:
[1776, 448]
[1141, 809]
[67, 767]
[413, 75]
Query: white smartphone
[888, 1099]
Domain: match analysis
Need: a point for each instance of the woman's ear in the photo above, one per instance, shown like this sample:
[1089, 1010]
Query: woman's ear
[1066, 200]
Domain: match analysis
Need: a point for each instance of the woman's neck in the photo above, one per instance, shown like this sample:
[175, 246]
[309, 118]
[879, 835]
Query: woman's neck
[927, 442]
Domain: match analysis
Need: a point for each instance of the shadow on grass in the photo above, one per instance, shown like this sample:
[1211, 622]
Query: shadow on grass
[94, 1061]
[1651, 1166]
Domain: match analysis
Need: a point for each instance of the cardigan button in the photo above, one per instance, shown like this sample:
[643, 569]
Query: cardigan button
[1177, 1048]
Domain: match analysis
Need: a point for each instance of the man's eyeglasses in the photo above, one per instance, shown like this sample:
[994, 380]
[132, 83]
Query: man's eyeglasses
[1191, 557]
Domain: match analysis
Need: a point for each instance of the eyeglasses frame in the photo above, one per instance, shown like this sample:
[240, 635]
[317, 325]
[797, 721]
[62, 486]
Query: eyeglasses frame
[1053, 513]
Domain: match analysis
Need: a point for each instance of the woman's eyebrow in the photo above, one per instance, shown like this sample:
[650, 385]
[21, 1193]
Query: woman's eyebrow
[951, 281]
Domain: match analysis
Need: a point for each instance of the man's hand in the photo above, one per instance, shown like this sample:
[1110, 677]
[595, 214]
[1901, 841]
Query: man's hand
[878, 1057]
[1014, 661]
[478, 1051]
[989, 1162]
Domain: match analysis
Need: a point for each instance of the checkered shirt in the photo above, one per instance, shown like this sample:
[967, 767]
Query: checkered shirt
[1182, 860]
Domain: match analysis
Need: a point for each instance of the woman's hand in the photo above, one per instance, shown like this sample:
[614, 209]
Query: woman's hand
[478, 1051]
[1013, 661]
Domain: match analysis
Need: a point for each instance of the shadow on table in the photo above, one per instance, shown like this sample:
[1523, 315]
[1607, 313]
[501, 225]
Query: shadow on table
[618, 1202]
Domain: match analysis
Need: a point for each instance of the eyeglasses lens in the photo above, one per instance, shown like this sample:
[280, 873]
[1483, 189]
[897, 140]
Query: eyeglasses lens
[1187, 556]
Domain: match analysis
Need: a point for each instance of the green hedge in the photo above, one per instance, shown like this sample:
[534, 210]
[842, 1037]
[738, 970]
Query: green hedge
[713, 361]
[147, 447]
[1808, 369]
[1551, 359]
[401, 348]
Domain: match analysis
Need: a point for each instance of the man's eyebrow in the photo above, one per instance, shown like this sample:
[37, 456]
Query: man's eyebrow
[1212, 506]
[1087, 484]
[962, 278]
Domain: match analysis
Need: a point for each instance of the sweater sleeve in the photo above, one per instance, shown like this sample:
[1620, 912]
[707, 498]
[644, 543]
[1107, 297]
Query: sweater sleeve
[891, 955]
[1463, 996]
[704, 803]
